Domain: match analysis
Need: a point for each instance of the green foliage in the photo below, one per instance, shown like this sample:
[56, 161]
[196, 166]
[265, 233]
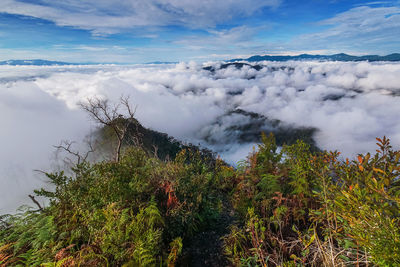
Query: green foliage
[309, 208]
[32, 237]
[176, 250]
[140, 234]
[301, 178]
[292, 207]
[267, 157]
[368, 203]
[137, 211]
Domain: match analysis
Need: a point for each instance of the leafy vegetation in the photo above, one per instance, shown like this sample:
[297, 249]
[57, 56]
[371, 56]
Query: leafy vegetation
[300, 208]
[290, 207]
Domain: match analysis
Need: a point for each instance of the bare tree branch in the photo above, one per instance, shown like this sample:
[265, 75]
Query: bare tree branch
[67, 147]
[36, 202]
[125, 102]
[91, 150]
[40, 171]
[103, 113]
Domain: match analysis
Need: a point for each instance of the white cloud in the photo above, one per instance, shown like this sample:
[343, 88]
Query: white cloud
[236, 40]
[107, 17]
[360, 29]
[365, 20]
[32, 121]
[349, 103]
[91, 48]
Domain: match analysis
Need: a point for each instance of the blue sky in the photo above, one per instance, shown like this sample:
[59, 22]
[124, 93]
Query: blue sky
[137, 31]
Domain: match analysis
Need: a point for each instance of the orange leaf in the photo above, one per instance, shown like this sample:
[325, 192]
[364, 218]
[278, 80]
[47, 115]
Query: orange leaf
[361, 168]
[360, 159]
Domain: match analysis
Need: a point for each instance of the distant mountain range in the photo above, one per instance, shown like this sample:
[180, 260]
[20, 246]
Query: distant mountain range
[41, 62]
[34, 62]
[335, 57]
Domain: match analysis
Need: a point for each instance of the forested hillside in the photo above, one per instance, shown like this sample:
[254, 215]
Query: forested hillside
[178, 205]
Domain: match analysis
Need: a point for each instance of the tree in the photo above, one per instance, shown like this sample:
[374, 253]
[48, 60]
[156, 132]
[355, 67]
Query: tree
[102, 112]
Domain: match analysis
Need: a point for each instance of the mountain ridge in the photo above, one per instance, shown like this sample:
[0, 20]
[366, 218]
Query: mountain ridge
[36, 62]
[334, 57]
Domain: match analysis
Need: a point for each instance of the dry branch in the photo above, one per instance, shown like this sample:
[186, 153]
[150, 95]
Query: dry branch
[102, 112]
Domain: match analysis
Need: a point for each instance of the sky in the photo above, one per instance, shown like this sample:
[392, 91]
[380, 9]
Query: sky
[133, 31]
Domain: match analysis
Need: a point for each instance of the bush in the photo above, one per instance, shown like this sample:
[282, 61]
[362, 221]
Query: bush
[136, 211]
[308, 208]
[292, 207]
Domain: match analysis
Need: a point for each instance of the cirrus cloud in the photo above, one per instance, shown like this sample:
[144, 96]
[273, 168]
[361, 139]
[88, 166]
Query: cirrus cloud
[108, 17]
[361, 29]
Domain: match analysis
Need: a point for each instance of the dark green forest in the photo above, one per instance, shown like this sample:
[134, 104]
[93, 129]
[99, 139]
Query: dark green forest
[163, 203]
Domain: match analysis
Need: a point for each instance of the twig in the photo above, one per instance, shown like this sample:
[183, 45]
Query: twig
[36, 202]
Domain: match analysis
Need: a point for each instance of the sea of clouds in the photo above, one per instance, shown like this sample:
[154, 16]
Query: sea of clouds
[348, 103]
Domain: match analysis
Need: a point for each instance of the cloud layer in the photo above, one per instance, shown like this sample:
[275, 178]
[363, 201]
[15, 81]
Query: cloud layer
[107, 17]
[348, 103]
[360, 29]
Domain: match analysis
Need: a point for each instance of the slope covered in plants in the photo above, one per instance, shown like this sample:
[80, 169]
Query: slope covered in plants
[289, 207]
